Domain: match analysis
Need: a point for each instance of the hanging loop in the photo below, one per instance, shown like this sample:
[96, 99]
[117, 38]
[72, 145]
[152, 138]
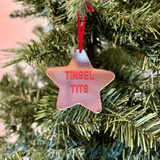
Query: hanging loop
[81, 31]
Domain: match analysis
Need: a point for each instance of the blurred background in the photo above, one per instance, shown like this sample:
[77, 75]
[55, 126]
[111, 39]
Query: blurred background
[12, 31]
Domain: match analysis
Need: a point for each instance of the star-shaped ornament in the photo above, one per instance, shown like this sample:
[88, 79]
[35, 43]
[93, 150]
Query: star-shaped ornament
[80, 83]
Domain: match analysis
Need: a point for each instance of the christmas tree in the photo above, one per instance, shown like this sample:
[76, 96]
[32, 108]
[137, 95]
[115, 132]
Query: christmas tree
[121, 36]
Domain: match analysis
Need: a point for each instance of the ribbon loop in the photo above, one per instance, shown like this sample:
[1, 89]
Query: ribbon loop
[81, 31]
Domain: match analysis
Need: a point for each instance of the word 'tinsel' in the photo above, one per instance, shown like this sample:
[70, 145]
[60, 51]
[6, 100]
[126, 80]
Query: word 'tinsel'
[79, 74]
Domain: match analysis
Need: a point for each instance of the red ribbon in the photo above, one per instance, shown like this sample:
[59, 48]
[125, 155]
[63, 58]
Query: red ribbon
[89, 7]
[81, 31]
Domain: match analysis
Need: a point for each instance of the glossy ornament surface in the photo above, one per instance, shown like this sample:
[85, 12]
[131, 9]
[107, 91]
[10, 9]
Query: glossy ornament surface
[80, 83]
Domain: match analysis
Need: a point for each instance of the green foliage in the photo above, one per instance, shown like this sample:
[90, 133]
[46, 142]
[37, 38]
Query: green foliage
[43, 53]
[38, 7]
[128, 126]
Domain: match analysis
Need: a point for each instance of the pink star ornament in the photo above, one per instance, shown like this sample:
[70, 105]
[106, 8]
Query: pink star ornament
[80, 83]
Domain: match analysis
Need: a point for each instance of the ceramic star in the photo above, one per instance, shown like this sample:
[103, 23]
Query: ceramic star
[80, 83]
